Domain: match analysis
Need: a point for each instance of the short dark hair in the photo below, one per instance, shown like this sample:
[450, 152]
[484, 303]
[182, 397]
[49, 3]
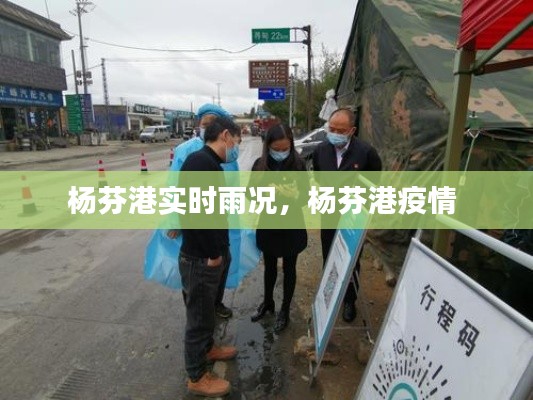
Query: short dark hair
[219, 125]
[346, 111]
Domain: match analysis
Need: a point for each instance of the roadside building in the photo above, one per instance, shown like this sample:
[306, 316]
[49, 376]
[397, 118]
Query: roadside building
[179, 120]
[31, 77]
[140, 115]
[112, 119]
[117, 120]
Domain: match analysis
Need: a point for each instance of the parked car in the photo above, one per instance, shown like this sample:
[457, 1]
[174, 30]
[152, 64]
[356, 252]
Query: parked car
[156, 133]
[306, 145]
[188, 133]
[130, 135]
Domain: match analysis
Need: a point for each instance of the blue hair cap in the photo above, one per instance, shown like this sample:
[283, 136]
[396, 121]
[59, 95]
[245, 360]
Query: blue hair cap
[212, 109]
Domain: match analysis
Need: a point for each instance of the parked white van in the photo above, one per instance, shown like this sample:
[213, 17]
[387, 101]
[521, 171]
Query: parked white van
[155, 133]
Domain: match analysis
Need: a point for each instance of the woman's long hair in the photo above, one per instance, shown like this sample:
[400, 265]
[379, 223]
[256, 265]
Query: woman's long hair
[278, 132]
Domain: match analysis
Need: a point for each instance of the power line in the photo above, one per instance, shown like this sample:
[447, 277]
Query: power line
[166, 50]
[176, 60]
[164, 60]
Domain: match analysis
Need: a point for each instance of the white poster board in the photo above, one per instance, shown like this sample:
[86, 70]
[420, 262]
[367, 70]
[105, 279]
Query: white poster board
[446, 337]
[338, 271]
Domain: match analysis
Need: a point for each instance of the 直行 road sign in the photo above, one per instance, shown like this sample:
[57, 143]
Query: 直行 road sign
[271, 93]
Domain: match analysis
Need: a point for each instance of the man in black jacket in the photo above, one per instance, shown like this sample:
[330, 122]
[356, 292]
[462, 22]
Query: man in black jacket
[204, 257]
[343, 151]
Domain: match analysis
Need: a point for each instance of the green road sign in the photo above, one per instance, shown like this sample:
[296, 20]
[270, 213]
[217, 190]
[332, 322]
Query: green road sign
[75, 115]
[271, 35]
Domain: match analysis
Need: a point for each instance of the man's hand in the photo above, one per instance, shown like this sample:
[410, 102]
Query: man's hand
[214, 262]
[173, 233]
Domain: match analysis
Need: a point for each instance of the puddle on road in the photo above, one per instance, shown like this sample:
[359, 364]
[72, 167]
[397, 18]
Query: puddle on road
[265, 367]
[260, 359]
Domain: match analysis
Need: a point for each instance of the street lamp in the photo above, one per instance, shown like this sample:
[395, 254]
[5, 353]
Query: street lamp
[218, 92]
[292, 100]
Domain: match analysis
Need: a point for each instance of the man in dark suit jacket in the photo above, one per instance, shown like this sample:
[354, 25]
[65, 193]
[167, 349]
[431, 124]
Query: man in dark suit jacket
[343, 151]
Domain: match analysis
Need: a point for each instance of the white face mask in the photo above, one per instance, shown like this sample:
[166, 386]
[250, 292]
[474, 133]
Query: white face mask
[202, 133]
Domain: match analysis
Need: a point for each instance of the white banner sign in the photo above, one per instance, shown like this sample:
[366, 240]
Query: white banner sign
[445, 337]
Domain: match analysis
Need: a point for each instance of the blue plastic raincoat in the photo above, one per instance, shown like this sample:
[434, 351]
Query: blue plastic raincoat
[161, 258]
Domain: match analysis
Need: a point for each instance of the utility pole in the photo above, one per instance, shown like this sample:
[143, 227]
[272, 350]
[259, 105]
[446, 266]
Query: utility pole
[74, 69]
[106, 97]
[81, 9]
[47, 11]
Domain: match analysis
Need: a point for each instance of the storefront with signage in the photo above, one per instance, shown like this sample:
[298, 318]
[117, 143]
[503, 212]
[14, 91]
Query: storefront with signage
[31, 77]
[23, 108]
[179, 120]
[140, 115]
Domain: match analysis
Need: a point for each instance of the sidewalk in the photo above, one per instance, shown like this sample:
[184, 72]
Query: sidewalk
[16, 158]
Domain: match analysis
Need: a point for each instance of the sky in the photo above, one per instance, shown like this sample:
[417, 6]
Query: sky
[177, 80]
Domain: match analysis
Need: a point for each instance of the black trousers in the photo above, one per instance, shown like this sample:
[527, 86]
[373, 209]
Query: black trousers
[222, 285]
[289, 278]
[200, 287]
[326, 237]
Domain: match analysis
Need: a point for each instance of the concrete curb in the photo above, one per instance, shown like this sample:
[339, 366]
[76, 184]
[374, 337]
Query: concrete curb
[103, 152]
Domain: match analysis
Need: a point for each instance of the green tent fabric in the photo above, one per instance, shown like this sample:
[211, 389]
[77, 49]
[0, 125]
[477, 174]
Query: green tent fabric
[397, 72]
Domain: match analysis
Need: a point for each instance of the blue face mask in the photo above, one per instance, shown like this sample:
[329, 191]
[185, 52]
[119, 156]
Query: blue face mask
[337, 139]
[279, 156]
[232, 154]
[202, 133]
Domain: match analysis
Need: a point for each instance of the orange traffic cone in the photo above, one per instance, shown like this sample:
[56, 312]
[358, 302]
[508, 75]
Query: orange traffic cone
[171, 156]
[101, 175]
[144, 167]
[28, 206]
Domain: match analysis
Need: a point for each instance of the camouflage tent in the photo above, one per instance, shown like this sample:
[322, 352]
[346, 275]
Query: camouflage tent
[397, 71]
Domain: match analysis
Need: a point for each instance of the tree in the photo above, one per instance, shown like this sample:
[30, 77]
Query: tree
[325, 78]
[279, 109]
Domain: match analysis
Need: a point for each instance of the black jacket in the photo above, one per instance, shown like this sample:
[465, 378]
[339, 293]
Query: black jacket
[359, 156]
[283, 242]
[204, 243]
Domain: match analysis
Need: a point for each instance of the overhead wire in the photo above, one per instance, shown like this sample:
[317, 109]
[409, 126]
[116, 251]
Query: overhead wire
[166, 50]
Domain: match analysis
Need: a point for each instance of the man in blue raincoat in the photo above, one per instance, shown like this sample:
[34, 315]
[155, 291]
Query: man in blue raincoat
[162, 254]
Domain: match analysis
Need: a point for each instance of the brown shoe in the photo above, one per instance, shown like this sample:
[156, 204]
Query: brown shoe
[221, 353]
[209, 385]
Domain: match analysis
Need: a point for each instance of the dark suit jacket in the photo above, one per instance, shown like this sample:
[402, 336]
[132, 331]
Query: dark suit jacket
[359, 156]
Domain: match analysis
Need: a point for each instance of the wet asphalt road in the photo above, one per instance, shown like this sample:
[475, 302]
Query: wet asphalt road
[78, 321]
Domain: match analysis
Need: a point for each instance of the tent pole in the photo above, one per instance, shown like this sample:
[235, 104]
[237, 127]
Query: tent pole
[459, 109]
[454, 143]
